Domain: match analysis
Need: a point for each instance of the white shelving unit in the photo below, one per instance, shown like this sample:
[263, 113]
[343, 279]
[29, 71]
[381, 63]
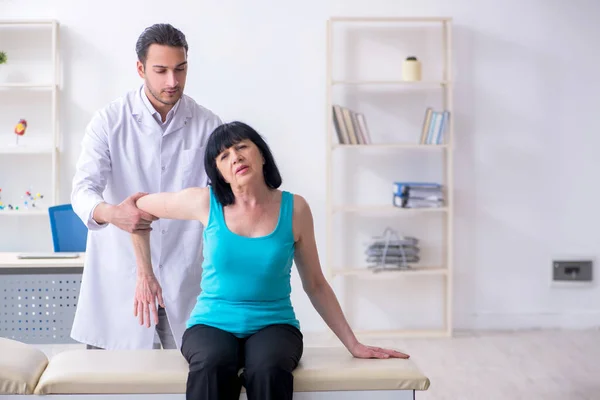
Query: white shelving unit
[338, 209]
[48, 146]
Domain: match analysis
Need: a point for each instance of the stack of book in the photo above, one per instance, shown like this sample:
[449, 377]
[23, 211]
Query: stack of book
[435, 126]
[350, 126]
[391, 251]
[418, 195]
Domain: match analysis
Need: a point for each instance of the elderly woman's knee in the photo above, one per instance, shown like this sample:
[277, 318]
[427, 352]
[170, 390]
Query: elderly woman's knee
[217, 361]
[268, 372]
[272, 364]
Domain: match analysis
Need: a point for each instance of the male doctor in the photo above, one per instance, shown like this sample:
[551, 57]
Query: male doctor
[150, 140]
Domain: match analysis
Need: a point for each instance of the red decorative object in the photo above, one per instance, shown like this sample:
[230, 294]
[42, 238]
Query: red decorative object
[20, 128]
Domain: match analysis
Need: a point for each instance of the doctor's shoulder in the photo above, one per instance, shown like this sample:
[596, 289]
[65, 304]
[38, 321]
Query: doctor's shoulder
[206, 117]
[111, 115]
[120, 106]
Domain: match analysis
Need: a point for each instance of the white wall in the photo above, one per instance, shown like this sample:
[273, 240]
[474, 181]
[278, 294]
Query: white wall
[525, 105]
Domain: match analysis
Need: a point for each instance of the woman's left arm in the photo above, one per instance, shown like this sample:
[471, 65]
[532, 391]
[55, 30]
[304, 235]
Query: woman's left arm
[318, 289]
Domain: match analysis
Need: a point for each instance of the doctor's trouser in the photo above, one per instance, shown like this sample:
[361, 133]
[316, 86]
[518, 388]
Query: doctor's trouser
[220, 363]
[164, 335]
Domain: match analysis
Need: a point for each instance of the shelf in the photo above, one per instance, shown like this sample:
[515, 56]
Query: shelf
[44, 86]
[365, 273]
[387, 209]
[38, 148]
[25, 149]
[393, 82]
[392, 146]
[342, 88]
[23, 213]
[27, 22]
[391, 19]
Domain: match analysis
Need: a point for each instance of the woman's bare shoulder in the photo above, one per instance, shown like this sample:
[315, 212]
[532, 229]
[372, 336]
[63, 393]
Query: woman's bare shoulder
[300, 205]
[197, 193]
[198, 199]
[302, 220]
[302, 215]
[203, 194]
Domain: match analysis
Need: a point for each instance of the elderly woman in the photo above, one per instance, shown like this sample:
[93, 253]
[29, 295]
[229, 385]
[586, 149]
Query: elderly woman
[243, 329]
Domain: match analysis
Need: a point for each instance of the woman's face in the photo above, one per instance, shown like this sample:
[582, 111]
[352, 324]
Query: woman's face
[240, 163]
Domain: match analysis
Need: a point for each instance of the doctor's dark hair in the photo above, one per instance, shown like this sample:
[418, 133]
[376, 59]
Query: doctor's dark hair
[225, 136]
[162, 34]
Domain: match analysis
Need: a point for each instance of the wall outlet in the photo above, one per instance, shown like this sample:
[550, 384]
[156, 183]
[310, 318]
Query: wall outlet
[572, 271]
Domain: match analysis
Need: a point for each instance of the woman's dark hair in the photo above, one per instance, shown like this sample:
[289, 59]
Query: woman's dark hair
[163, 34]
[222, 138]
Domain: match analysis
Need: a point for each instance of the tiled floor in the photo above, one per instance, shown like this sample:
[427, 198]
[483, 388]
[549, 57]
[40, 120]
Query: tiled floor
[532, 365]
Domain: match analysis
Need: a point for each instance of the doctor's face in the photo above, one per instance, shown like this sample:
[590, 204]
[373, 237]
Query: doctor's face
[164, 73]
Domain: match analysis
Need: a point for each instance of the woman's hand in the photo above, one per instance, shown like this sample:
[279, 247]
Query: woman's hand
[359, 350]
[147, 293]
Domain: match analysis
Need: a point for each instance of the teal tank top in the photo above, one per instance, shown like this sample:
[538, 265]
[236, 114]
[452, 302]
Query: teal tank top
[246, 281]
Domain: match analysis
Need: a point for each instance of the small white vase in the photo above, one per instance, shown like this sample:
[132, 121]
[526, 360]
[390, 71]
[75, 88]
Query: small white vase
[411, 69]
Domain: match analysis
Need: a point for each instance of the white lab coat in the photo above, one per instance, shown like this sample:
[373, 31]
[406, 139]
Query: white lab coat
[125, 151]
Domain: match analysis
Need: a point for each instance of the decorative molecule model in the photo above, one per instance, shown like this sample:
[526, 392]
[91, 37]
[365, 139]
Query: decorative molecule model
[20, 128]
[29, 200]
[29, 197]
[2, 206]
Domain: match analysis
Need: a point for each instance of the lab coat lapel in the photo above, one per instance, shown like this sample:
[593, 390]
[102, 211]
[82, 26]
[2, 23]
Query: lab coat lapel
[141, 114]
[181, 117]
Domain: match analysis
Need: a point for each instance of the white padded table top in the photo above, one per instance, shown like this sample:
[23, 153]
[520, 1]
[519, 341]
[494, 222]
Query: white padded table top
[20, 367]
[165, 371]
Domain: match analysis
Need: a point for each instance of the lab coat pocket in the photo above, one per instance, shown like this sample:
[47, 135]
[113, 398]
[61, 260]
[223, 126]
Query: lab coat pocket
[194, 174]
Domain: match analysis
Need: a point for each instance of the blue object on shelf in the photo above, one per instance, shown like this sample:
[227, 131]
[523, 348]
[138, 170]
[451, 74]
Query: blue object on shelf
[69, 233]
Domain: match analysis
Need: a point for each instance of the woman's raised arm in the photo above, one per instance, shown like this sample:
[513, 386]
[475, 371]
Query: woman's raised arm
[189, 204]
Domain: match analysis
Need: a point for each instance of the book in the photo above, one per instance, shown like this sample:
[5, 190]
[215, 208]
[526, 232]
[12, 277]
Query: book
[400, 187]
[408, 202]
[417, 194]
[435, 126]
[350, 126]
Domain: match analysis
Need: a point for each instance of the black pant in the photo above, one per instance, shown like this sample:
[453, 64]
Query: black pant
[265, 361]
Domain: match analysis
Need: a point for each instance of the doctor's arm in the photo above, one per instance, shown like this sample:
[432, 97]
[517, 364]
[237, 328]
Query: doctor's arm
[91, 174]
[320, 292]
[187, 204]
[147, 289]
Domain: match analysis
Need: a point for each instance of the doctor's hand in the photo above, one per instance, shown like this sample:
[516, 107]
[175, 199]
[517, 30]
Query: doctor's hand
[129, 218]
[147, 293]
